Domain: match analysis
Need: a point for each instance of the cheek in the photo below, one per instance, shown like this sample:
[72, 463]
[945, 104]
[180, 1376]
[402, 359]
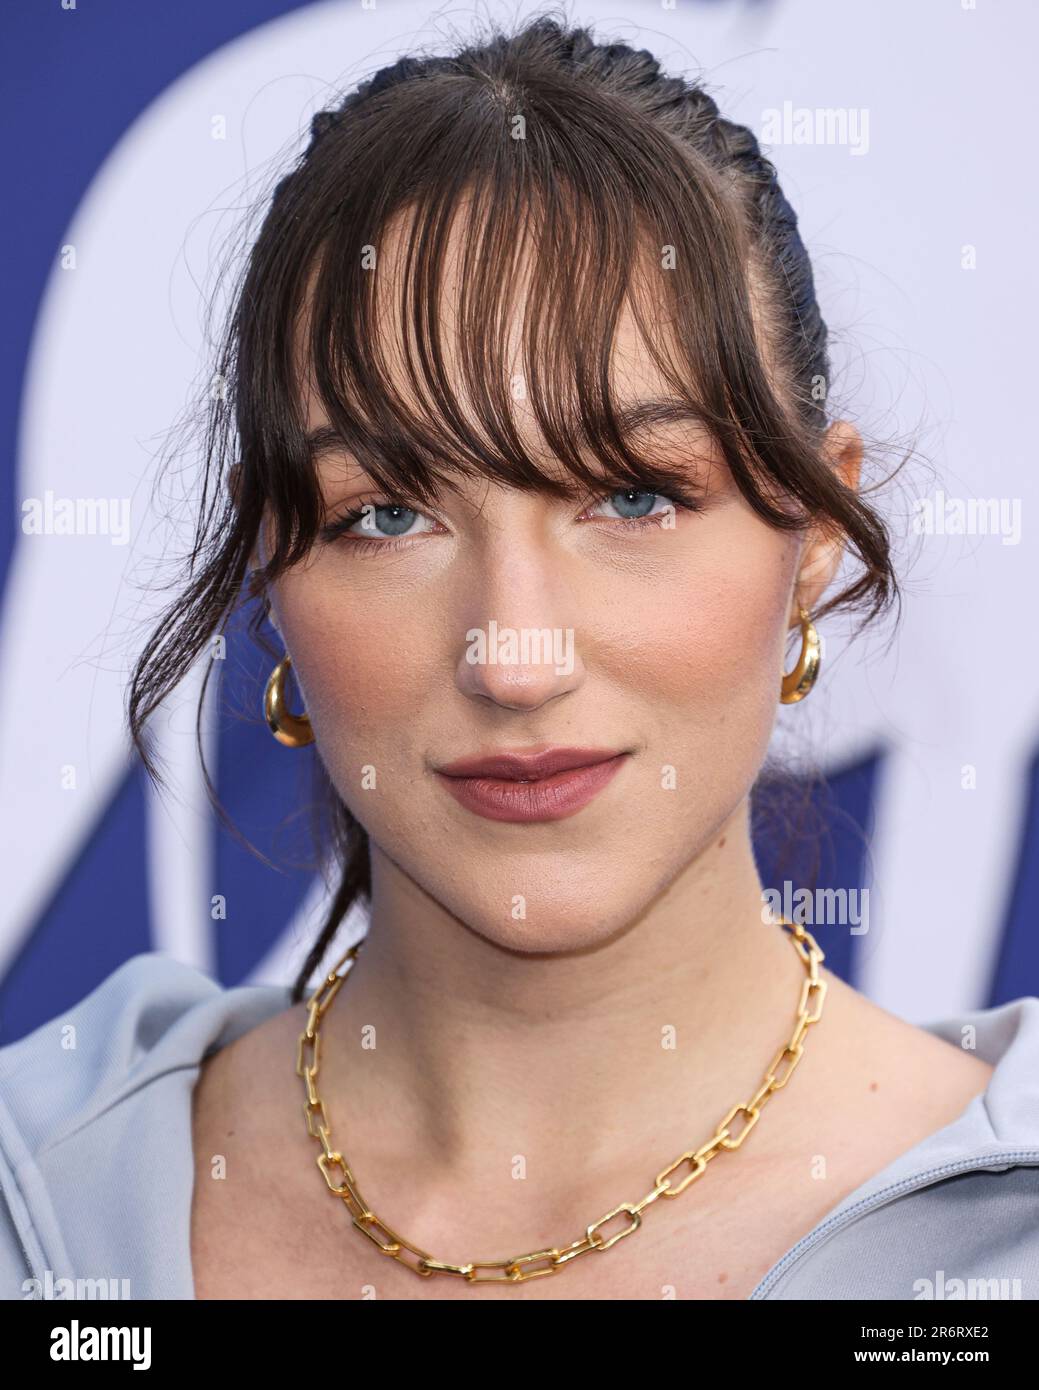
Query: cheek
[360, 669]
[702, 670]
[706, 635]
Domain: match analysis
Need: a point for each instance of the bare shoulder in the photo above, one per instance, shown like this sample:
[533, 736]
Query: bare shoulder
[247, 1070]
[243, 1145]
[935, 1078]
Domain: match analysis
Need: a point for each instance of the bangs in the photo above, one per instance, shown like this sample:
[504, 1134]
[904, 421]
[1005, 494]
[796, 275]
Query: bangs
[485, 316]
[445, 286]
[479, 283]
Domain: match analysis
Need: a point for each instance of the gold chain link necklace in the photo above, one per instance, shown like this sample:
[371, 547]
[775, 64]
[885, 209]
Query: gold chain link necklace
[341, 1181]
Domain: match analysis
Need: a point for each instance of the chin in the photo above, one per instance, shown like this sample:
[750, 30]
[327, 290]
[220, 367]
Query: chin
[582, 917]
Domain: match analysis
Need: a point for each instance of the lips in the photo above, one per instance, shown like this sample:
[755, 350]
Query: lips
[527, 767]
[522, 786]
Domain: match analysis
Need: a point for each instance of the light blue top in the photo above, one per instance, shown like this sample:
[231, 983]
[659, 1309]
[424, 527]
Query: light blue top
[97, 1168]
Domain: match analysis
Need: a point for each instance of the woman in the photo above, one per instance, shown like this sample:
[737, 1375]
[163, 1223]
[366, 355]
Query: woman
[535, 474]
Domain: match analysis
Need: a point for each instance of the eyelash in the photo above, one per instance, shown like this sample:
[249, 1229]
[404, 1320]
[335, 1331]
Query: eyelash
[337, 528]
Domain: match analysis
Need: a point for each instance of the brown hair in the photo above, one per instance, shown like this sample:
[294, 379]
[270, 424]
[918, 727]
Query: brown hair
[596, 155]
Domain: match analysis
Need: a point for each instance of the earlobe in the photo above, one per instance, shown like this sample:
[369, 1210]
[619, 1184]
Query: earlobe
[257, 561]
[821, 557]
[820, 562]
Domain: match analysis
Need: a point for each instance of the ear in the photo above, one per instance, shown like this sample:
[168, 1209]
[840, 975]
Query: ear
[821, 554]
[256, 561]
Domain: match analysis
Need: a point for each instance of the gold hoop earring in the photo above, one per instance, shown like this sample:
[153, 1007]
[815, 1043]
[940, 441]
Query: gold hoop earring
[797, 683]
[293, 730]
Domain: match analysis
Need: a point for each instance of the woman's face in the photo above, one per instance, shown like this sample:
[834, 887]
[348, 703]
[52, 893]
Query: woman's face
[665, 646]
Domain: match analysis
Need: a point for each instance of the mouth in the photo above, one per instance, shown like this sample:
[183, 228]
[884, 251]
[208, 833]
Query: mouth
[520, 786]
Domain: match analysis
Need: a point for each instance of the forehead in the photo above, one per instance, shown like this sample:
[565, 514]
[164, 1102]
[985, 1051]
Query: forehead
[639, 386]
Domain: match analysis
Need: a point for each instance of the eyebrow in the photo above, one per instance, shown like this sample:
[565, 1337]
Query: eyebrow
[324, 440]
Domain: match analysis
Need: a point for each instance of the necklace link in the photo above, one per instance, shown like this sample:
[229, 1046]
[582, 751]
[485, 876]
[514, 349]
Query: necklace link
[538, 1263]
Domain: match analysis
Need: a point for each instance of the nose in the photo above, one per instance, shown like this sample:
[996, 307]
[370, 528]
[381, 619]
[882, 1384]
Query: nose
[518, 646]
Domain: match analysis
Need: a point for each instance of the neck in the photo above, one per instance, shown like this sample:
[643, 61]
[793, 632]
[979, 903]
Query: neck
[607, 1061]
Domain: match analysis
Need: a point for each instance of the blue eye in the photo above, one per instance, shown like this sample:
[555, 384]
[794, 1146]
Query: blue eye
[390, 521]
[375, 521]
[634, 504]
